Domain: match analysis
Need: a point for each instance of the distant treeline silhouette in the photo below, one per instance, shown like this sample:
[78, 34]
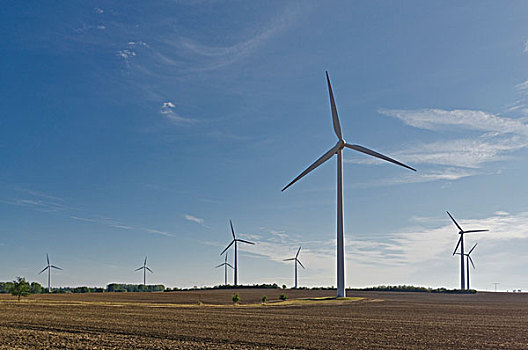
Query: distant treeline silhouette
[36, 288]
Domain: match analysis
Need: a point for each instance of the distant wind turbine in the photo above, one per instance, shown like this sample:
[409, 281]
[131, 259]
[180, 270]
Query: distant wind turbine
[225, 265]
[235, 241]
[469, 260]
[461, 244]
[297, 261]
[49, 267]
[144, 268]
[338, 149]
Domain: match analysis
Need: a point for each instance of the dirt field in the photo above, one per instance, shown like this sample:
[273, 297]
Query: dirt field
[176, 320]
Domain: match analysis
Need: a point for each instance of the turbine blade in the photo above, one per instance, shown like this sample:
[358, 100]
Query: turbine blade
[458, 243]
[296, 255]
[456, 223]
[219, 265]
[44, 269]
[56, 267]
[47, 258]
[472, 248]
[335, 118]
[377, 155]
[149, 269]
[228, 264]
[300, 263]
[230, 244]
[139, 268]
[232, 229]
[470, 231]
[471, 260]
[243, 241]
[289, 259]
[318, 162]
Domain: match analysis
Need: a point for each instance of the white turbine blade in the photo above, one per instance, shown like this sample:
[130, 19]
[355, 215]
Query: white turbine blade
[44, 269]
[56, 267]
[145, 263]
[47, 258]
[300, 263]
[289, 259]
[228, 264]
[149, 269]
[335, 118]
[456, 223]
[243, 241]
[472, 248]
[318, 162]
[220, 265]
[139, 268]
[296, 255]
[470, 231]
[471, 260]
[377, 155]
[230, 244]
[458, 243]
[232, 229]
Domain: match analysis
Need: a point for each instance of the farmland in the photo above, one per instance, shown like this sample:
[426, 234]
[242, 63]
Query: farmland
[208, 320]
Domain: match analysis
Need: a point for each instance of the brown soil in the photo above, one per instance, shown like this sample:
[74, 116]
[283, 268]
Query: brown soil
[176, 320]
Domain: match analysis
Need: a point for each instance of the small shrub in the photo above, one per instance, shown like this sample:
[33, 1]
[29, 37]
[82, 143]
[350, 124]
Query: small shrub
[20, 288]
[283, 297]
[283, 286]
[264, 299]
[236, 298]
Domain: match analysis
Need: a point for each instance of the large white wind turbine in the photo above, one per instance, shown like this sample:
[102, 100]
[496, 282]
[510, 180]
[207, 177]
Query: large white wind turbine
[144, 268]
[49, 267]
[297, 261]
[338, 149]
[235, 241]
[469, 260]
[461, 244]
[225, 264]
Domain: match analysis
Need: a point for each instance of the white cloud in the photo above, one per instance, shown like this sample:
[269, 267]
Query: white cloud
[435, 119]
[167, 110]
[193, 219]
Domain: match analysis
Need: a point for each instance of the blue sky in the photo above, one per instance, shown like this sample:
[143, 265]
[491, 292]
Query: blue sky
[132, 129]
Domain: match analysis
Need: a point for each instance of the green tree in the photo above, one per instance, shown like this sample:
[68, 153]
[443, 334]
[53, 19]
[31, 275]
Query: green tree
[283, 297]
[36, 288]
[21, 288]
[264, 299]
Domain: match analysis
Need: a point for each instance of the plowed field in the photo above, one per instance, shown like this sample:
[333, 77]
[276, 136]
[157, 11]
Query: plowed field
[208, 320]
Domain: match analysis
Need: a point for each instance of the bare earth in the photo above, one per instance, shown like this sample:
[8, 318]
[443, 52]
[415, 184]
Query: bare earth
[208, 320]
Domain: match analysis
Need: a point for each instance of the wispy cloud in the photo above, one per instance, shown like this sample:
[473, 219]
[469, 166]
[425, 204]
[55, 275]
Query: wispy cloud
[112, 223]
[193, 219]
[168, 110]
[499, 138]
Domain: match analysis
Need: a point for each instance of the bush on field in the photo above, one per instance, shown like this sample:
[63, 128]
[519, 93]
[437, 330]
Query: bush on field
[283, 297]
[236, 298]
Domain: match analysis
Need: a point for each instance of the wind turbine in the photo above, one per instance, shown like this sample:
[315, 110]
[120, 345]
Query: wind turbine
[225, 264]
[338, 149]
[461, 243]
[468, 260]
[144, 268]
[49, 267]
[235, 241]
[296, 261]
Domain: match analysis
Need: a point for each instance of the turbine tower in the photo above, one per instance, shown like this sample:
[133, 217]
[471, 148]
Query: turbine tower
[49, 267]
[235, 241]
[226, 265]
[144, 268]
[461, 244]
[297, 261]
[468, 260]
[338, 149]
